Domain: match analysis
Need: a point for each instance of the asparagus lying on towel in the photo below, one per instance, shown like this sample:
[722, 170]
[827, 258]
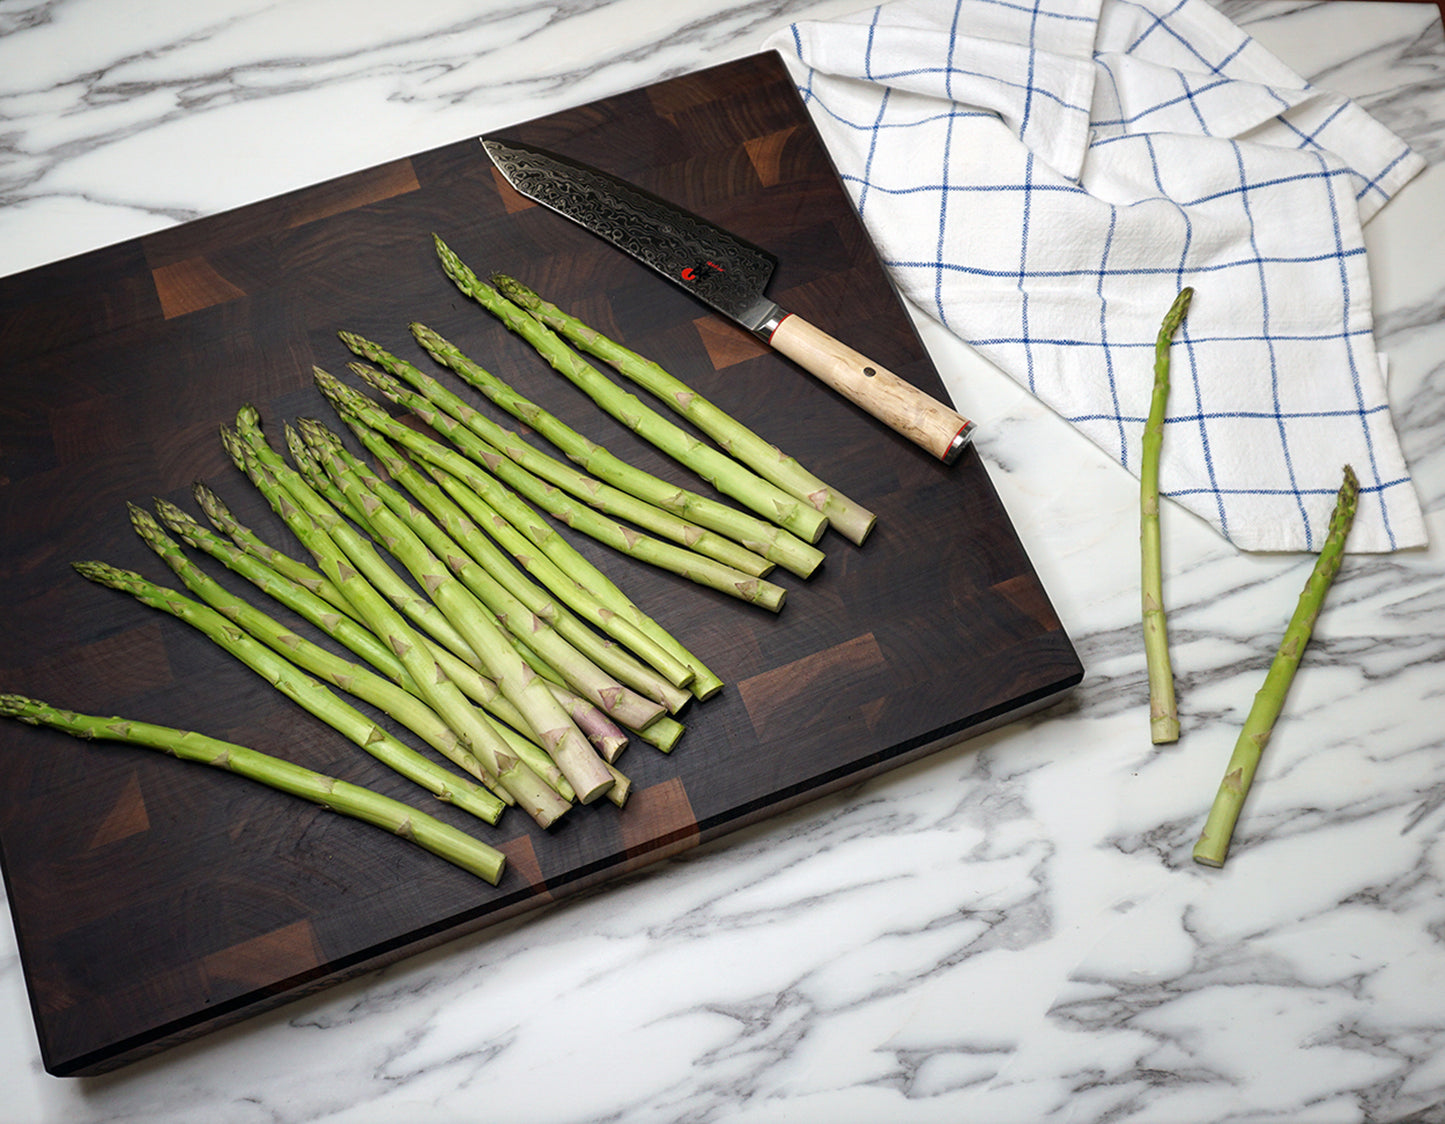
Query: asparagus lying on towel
[850, 519]
[339, 796]
[728, 476]
[1163, 713]
[1214, 840]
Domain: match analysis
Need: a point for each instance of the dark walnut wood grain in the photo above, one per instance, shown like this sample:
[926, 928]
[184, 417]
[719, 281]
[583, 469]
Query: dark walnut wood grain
[155, 900]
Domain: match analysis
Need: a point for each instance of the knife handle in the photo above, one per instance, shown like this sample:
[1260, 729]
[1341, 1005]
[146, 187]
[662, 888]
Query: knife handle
[898, 404]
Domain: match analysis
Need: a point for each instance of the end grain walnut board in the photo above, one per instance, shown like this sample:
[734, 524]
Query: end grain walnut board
[156, 900]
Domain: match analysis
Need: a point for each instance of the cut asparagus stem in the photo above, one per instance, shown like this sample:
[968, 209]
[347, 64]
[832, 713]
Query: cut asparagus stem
[339, 796]
[489, 601]
[387, 694]
[848, 518]
[1163, 713]
[456, 522]
[728, 476]
[1214, 840]
[302, 689]
[523, 607]
[468, 450]
[757, 535]
[517, 527]
[533, 794]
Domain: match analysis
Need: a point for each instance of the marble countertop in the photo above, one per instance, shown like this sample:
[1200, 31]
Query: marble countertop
[1011, 929]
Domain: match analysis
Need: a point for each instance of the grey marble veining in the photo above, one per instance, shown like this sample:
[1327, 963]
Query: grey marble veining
[1008, 931]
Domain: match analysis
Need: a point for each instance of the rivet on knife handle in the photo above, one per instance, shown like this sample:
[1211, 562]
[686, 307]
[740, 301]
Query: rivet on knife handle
[900, 405]
[728, 274]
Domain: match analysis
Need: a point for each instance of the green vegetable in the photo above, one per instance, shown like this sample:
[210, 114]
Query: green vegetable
[728, 476]
[302, 689]
[336, 795]
[1214, 841]
[1163, 712]
[850, 519]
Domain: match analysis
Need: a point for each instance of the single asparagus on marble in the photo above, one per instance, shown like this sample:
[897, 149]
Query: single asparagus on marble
[1163, 711]
[1214, 840]
[850, 519]
[342, 797]
[728, 476]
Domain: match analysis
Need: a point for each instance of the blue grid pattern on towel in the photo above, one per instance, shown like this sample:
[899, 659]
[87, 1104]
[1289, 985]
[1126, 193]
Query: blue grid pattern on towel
[1241, 457]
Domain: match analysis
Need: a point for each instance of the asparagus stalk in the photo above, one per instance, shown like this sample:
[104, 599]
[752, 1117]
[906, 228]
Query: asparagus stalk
[849, 518]
[1163, 713]
[756, 535]
[408, 541]
[335, 546]
[359, 639]
[456, 522]
[388, 695]
[302, 689]
[467, 448]
[520, 604]
[728, 476]
[522, 533]
[1214, 840]
[294, 500]
[508, 518]
[621, 494]
[339, 796]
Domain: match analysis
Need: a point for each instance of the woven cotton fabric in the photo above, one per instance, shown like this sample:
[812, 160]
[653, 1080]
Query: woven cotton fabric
[1044, 177]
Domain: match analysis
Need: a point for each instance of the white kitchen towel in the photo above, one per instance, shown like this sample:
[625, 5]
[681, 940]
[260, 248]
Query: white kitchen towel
[1044, 176]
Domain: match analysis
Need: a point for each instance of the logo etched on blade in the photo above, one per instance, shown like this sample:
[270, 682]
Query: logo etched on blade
[710, 263]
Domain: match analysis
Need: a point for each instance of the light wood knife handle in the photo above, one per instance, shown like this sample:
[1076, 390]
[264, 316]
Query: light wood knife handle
[898, 404]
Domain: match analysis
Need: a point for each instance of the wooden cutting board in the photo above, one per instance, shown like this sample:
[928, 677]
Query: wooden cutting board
[156, 900]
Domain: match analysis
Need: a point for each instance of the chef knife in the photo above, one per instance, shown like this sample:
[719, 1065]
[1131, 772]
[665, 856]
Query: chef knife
[731, 276]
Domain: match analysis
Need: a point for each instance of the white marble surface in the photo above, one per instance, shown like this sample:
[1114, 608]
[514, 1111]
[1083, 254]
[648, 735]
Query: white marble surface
[1011, 930]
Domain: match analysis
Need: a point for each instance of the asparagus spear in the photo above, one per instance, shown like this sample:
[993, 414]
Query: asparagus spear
[508, 518]
[387, 695]
[324, 535]
[452, 519]
[460, 601]
[850, 519]
[728, 476]
[339, 796]
[1214, 840]
[502, 587]
[1163, 713]
[294, 500]
[467, 448]
[756, 535]
[619, 492]
[302, 689]
[359, 638]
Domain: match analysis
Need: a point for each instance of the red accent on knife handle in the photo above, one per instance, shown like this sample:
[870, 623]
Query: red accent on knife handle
[897, 403]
